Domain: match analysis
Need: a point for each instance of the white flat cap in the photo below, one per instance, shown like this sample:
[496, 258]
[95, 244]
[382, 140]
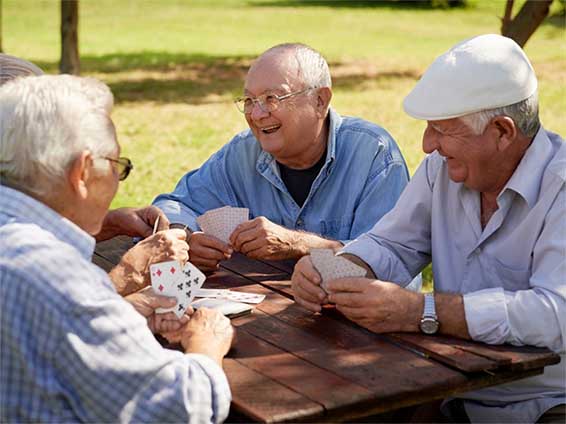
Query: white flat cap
[483, 72]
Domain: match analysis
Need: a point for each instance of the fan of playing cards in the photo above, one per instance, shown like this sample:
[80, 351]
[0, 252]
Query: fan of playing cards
[181, 282]
[222, 222]
[331, 267]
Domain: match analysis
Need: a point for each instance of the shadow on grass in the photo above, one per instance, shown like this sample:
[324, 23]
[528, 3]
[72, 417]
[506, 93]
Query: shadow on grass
[374, 4]
[196, 79]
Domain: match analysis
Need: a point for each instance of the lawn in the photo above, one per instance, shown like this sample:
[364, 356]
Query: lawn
[175, 66]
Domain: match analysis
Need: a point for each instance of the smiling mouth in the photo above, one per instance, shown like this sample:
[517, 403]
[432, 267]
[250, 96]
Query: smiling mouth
[271, 129]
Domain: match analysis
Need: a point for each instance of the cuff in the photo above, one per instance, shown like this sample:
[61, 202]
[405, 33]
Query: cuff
[486, 315]
[178, 213]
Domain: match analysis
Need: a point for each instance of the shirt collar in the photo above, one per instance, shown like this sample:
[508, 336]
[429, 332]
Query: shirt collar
[27, 209]
[527, 178]
[265, 159]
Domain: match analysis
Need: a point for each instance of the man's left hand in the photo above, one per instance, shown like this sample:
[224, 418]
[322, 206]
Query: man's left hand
[132, 222]
[379, 306]
[146, 301]
[260, 238]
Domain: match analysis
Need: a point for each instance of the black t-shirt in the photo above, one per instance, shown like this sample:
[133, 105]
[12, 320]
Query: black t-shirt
[299, 181]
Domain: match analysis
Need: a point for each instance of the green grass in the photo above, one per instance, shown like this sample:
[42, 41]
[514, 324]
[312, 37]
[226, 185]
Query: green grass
[174, 66]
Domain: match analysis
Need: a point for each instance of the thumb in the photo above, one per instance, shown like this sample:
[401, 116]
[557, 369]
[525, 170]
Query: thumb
[157, 301]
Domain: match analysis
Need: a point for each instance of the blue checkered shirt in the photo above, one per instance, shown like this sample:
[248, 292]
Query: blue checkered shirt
[71, 348]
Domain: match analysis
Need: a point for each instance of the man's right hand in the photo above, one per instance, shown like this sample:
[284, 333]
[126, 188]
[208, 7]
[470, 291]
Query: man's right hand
[207, 251]
[305, 284]
[132, 272]
[208, 332]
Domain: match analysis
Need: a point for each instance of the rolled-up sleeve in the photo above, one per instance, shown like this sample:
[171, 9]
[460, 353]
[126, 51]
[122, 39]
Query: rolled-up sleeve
[528, 317]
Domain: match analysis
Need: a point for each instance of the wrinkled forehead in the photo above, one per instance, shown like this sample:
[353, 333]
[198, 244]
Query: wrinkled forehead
[276, 72]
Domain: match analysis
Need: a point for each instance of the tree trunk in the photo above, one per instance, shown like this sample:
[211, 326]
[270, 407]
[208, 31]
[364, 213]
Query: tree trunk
[526, 21]
[70, 63]
[1, 50]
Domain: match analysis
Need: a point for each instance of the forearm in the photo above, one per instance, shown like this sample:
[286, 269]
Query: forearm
[302, 243]
[126, 279]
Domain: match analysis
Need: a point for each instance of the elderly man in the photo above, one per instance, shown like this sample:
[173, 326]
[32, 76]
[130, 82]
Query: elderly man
[487, 206]
[310, 178]
[131, 273]
[72, 348]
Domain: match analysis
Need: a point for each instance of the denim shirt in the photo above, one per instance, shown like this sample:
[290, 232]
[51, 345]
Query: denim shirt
[360, 181]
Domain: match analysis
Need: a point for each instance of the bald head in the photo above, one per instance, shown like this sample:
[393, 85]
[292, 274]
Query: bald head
[299, 61]
[13, 67]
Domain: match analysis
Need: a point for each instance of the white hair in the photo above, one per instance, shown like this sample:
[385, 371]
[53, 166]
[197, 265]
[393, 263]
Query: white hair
[45, 123]
[313, 68]
[524, 114]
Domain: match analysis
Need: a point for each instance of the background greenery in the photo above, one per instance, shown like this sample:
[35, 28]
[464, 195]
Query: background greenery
[175, 66]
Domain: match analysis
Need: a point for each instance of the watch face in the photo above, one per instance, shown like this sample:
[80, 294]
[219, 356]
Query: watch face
[429, 325]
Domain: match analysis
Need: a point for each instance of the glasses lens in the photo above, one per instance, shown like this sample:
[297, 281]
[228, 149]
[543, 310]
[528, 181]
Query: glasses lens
[124, 168]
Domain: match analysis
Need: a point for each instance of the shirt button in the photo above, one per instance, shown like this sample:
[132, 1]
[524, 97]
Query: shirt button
[300, 223]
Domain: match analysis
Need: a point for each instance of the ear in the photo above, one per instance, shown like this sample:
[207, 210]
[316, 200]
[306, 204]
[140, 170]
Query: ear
[80, 173]
[323, 97]
[506, 130]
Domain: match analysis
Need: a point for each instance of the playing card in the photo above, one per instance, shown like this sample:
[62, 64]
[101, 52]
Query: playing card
[331, 267]
[222, 222]
[170, 279]
[163, 276]
[193, 279]
[238, 296]
[213, 293]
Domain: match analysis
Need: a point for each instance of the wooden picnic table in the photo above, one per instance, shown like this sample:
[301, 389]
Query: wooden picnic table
[289, 364]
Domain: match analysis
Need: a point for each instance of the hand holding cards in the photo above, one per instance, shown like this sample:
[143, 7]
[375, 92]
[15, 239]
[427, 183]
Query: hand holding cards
[181, 282]
[331, 267]
[222, 222]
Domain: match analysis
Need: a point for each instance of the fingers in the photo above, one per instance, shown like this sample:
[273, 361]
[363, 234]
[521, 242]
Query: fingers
[353, 313]
[199, 239]
[355, 300]
[157, 301]
[352, 285]
[305, 284]
[244, 233]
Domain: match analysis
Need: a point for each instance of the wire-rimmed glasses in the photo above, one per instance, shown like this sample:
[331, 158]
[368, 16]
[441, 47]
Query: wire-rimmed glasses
[267, 102]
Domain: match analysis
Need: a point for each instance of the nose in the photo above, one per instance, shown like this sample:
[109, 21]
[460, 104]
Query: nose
[430, 141]
[258, 112]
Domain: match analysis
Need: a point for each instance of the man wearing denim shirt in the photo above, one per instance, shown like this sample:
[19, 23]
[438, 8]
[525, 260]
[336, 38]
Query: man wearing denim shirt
[488, 207]
[310, 177]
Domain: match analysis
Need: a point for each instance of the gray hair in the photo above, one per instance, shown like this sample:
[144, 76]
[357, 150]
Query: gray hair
[312, 66]
[12, 67]
[45, 123]
[524, 114]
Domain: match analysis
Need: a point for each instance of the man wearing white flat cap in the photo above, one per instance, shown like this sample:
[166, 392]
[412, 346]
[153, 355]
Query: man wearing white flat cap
[487, 206]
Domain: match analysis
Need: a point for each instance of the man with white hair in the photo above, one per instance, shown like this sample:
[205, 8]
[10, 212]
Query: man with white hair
[310, 177]
[131, 272]
[72, 348]
[487, 206]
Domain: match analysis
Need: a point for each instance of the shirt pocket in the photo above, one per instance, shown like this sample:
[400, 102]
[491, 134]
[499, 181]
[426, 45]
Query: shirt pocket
[337, 228]
[511, 278]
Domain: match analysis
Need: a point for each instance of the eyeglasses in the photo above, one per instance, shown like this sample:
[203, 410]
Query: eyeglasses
[124, 166]
[266, 102]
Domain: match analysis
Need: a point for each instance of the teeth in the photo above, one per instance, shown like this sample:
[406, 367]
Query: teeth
[270, 128]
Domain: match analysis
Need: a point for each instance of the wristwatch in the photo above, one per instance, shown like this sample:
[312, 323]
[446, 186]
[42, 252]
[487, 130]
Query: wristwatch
[429, 322]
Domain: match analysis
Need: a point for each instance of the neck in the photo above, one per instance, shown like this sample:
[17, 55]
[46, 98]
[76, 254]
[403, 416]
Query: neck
[313, 153]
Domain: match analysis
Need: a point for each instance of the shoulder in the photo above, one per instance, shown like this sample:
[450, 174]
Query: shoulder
[367, 138]
[242, 147]
[557, 165]
[48, 269]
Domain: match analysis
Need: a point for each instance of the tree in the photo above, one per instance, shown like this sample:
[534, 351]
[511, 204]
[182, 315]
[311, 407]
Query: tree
[524, 24]
[1, 27]
[70, 63]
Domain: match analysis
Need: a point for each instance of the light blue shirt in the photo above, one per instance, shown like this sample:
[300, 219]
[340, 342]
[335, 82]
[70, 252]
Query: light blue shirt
[71, 349]
[361, 180]
[512, 273]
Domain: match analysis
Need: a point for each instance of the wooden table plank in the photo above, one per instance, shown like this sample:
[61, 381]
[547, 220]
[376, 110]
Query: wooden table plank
[282, 404]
